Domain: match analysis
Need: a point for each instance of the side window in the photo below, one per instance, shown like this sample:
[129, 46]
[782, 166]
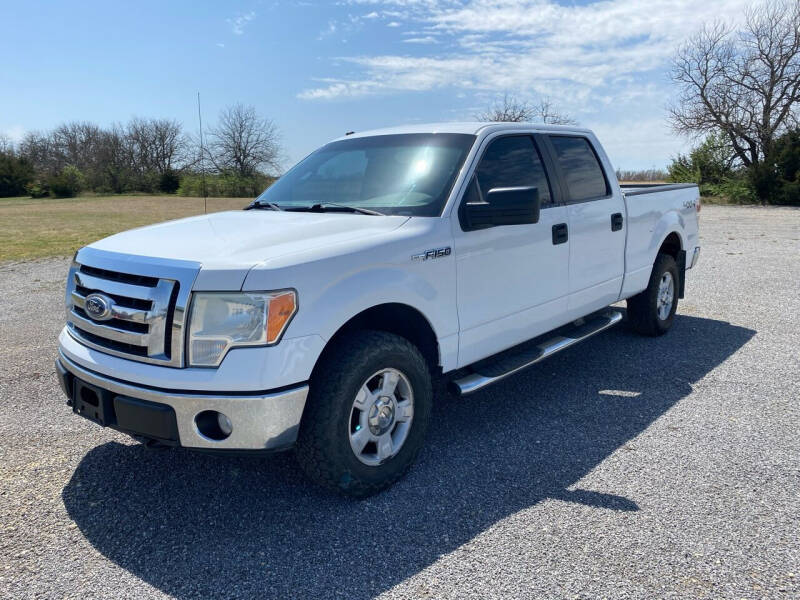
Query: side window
[580, 167]
[513, 162]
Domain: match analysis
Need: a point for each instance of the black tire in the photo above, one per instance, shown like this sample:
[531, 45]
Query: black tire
[323, 444]
[643, 308]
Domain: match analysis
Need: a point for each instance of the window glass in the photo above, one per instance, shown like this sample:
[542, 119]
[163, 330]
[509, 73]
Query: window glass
[513, 162]
[580, 167]
[405, 174]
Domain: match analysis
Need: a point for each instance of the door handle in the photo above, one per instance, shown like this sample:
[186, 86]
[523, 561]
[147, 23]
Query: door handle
[560, 233]
[616, 221]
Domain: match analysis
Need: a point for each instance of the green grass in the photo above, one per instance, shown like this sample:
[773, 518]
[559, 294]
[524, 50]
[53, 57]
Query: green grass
[40, 228]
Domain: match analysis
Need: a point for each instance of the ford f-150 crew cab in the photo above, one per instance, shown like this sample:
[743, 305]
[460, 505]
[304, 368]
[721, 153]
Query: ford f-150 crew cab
[319, 317]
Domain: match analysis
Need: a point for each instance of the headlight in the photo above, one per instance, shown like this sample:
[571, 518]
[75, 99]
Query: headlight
[221, 320]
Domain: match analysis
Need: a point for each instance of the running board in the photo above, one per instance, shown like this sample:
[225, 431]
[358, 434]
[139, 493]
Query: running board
[507, 363]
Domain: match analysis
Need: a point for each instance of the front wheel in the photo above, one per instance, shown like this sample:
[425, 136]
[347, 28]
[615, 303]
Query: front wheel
[367, 413]
[652, 311]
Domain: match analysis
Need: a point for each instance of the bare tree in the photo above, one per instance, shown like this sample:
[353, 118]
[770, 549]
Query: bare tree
[116, 159]
[510, 109]
[157, 145]
[37, 147]
[76, 143]
[547, 113]
[244, 142]
[745, 84]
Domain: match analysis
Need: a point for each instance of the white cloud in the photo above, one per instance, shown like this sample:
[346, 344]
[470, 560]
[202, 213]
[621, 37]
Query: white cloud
[348, 25]
[239, 22]
[428, 39]
[329, 30]
[530, 46]
[604, 63]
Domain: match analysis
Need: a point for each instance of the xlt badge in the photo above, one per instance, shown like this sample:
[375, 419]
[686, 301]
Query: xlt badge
[429, 254]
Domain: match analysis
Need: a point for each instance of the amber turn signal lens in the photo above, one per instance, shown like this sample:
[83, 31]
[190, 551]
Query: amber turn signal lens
[281, 309]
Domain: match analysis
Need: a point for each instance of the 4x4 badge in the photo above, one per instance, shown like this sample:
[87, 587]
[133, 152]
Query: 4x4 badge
[429, 254]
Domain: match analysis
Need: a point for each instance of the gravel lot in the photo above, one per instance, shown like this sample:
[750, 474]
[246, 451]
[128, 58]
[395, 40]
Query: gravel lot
[625, 467]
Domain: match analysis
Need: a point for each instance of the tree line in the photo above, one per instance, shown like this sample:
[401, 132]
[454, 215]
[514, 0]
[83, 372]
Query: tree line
[240, 157]
[739, 92]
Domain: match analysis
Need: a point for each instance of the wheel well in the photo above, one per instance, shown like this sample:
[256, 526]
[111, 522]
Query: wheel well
[399, 319]
[671, 245]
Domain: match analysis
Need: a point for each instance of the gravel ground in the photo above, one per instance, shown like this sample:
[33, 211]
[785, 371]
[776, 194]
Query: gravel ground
[625, 467]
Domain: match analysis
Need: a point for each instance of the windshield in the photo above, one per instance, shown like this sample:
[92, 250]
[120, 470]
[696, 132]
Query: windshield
[407, 174]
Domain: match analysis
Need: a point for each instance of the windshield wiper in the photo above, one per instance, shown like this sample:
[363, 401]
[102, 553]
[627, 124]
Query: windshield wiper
[321, 206]
[264, 205]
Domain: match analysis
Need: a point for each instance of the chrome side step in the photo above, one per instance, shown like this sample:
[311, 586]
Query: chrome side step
[492, 372]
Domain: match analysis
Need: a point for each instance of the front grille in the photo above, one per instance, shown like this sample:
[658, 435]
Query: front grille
[142, 280]
[121, 300]
[140, 323]
[116, 323]
[120, 347]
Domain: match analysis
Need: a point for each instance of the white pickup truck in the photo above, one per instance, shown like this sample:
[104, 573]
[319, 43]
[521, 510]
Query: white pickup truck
[319, 317]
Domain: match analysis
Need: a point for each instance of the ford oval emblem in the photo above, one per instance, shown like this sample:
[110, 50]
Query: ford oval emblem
[98, 307]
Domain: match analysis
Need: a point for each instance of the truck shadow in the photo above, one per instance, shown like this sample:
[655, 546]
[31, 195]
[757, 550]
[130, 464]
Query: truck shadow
[195, 525]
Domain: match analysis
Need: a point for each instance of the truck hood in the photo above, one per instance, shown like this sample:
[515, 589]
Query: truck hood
[228, 244]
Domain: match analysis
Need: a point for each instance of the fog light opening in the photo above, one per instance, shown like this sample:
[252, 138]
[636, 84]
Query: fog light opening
[213, 425]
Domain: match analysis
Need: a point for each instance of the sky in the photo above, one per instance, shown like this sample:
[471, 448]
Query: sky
[319, 69]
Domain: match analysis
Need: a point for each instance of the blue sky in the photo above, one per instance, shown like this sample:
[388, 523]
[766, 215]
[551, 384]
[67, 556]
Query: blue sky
[319, 69]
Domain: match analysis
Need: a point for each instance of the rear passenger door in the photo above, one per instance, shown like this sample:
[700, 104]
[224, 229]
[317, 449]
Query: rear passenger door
[595, 214]
[512, 280]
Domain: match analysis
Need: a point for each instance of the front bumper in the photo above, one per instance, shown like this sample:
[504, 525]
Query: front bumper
[263, 421]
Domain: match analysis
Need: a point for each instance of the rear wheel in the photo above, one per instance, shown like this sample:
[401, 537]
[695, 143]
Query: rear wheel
[652, 311]
[367, 413]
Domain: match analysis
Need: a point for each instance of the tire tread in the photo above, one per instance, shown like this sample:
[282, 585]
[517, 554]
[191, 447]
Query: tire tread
[316, 446]
[642, 314]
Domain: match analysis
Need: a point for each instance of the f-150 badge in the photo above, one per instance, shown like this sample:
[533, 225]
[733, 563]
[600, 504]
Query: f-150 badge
[429, 254]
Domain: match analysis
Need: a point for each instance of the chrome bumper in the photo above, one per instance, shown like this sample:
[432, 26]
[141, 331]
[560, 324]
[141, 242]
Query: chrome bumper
[264, 421]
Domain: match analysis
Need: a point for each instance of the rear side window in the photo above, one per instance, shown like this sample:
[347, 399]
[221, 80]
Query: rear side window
[580, 167]
[513, 162]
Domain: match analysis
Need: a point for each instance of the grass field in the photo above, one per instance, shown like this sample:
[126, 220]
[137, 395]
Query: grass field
[38, 228]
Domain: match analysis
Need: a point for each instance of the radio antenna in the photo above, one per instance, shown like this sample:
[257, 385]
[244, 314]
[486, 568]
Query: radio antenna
[202, 159]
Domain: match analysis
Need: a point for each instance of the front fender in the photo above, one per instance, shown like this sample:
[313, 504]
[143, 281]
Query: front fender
[424, 288]
[336, 284]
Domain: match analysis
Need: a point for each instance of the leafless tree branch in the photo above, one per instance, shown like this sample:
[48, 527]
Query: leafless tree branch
[244, 142]
[743, 84]
[510, 109]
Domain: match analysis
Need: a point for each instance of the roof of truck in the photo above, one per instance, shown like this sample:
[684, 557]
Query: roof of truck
[472, 128]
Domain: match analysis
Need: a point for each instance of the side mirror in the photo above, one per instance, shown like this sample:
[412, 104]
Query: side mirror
[504, 206]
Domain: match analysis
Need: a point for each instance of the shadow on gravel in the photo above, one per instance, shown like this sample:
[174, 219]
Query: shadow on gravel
[197, 525]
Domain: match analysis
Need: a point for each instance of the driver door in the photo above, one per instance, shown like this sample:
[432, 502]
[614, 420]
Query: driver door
[512, 280]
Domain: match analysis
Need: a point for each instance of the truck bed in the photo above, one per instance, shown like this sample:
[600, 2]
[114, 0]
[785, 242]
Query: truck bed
[653, 210]
[637, 189]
